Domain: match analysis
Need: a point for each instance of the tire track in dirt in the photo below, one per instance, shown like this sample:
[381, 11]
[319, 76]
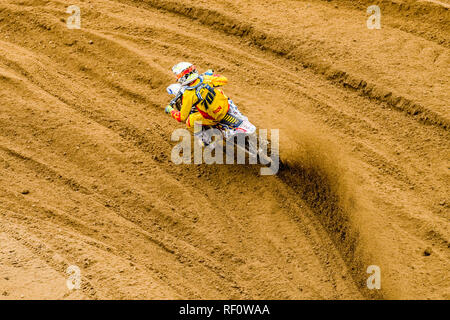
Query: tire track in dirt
[80, 227]
[284, 48]
[218, 240]
[421, 18]
[186, 290]
[382, 162]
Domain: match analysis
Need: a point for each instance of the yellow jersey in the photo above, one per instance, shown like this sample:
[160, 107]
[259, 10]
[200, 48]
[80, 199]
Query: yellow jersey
[213, 104]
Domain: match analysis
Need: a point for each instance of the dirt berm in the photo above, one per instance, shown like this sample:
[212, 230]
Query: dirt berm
[86, 177]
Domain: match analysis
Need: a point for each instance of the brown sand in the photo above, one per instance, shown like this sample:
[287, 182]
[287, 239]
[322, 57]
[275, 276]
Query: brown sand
[86, 177]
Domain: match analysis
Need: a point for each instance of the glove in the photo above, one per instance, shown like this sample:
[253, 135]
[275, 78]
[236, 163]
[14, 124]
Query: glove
[209, 72]
[168, 109]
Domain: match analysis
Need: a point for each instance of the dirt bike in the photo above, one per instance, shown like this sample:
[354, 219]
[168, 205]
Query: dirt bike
[236, 131]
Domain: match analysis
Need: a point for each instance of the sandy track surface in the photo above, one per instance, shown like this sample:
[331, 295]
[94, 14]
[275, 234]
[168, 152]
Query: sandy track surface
[86, 177]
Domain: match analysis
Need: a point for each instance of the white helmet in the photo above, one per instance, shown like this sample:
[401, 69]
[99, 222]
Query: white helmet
[185, 72]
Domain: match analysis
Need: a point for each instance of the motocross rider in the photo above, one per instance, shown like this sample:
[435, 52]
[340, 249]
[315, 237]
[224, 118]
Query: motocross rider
[200, 98]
